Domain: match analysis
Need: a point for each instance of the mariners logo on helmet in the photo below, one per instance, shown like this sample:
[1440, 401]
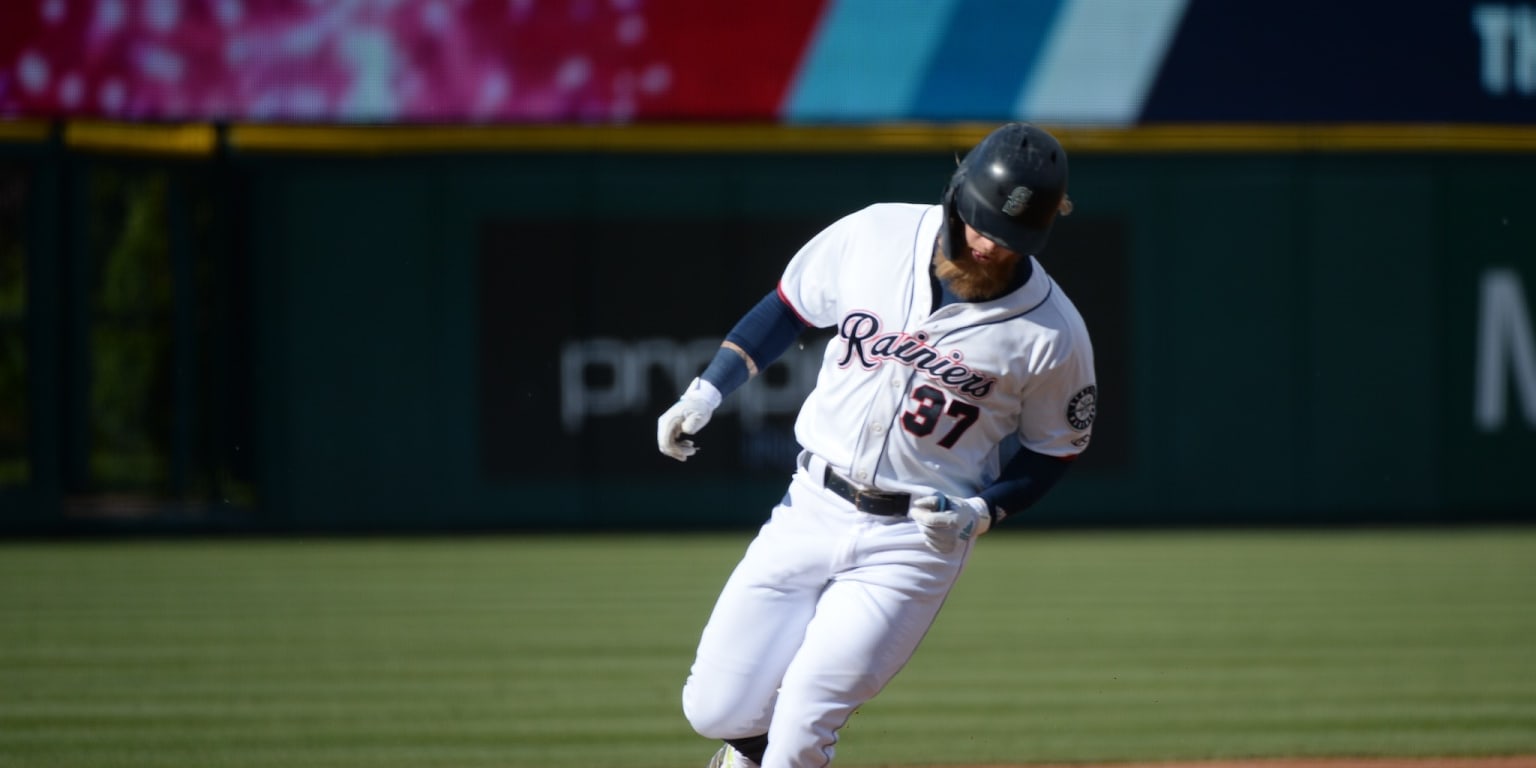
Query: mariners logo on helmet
[1016, 201]
[1082, 409]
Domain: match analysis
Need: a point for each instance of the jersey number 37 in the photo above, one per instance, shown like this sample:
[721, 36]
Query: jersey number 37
[923, 419]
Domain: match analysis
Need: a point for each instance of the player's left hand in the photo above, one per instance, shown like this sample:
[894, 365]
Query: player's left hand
[687, 416]
[946, 521]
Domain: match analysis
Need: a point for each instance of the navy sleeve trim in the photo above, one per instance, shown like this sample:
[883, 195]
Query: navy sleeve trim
[1024, 480]
[759, 338]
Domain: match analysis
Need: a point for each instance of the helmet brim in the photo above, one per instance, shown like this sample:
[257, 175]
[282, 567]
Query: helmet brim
[1009, 233]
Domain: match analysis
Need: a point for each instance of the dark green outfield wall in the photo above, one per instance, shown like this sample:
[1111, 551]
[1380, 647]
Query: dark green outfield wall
[450, 341]
[487, 340]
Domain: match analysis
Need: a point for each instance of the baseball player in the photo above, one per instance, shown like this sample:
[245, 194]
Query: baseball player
[956, 390]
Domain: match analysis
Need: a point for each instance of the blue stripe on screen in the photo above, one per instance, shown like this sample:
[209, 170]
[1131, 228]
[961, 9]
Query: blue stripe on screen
[866, 59]
[984, 58]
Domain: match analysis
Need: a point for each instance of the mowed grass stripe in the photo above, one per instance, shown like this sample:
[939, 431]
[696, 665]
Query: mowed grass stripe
[1188, 645]
[561, 651]
[390, 647]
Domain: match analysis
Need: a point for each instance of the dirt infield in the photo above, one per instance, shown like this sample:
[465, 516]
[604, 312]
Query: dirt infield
[1521, 761]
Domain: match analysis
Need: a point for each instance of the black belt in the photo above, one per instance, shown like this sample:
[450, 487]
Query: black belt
[886, 503]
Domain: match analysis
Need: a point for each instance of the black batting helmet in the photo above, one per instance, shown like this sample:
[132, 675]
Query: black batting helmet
[1009, 188]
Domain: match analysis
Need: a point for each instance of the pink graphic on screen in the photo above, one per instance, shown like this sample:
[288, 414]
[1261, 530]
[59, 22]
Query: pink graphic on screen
[400, 60]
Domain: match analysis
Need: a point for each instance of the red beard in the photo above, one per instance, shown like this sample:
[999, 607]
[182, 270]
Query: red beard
[972, 280]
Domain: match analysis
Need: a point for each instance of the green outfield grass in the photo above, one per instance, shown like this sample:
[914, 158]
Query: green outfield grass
[571, 651]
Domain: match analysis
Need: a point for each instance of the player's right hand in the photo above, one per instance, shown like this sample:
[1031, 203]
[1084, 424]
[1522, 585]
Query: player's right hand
[687, 416]
[946, 521]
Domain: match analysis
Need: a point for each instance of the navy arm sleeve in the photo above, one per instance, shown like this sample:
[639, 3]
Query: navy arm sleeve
[1025, 478]
[762, 335]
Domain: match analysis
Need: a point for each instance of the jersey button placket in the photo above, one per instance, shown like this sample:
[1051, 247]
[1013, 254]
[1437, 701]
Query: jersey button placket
[863, 465]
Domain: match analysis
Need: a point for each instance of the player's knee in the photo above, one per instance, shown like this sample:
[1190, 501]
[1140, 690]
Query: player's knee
[707, 714]
[716, 715]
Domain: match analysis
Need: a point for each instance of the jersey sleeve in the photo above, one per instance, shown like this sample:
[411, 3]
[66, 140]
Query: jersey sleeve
[810, 283]
[1059, 408]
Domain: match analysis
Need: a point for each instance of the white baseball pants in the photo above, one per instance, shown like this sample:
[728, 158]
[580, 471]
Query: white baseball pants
[822, 611]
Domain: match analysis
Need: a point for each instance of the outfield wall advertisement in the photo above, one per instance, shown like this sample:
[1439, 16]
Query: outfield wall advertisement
[1504, 379]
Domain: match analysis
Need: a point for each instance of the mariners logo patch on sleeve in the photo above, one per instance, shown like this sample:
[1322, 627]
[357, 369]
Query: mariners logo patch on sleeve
[1082, 408]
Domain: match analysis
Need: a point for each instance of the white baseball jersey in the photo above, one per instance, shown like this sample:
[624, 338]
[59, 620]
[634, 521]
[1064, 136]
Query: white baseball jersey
[914, 400]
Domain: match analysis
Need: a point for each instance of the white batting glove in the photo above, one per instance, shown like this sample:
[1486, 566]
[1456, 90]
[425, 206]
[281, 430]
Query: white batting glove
[948, 521]
[687, 416]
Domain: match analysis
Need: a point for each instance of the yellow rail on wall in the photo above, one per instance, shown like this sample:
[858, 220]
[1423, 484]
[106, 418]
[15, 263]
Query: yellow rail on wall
[23, 130]
[650, 137]
[879, 138]
[199, 139]
[1345, 137]
[195, 139]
